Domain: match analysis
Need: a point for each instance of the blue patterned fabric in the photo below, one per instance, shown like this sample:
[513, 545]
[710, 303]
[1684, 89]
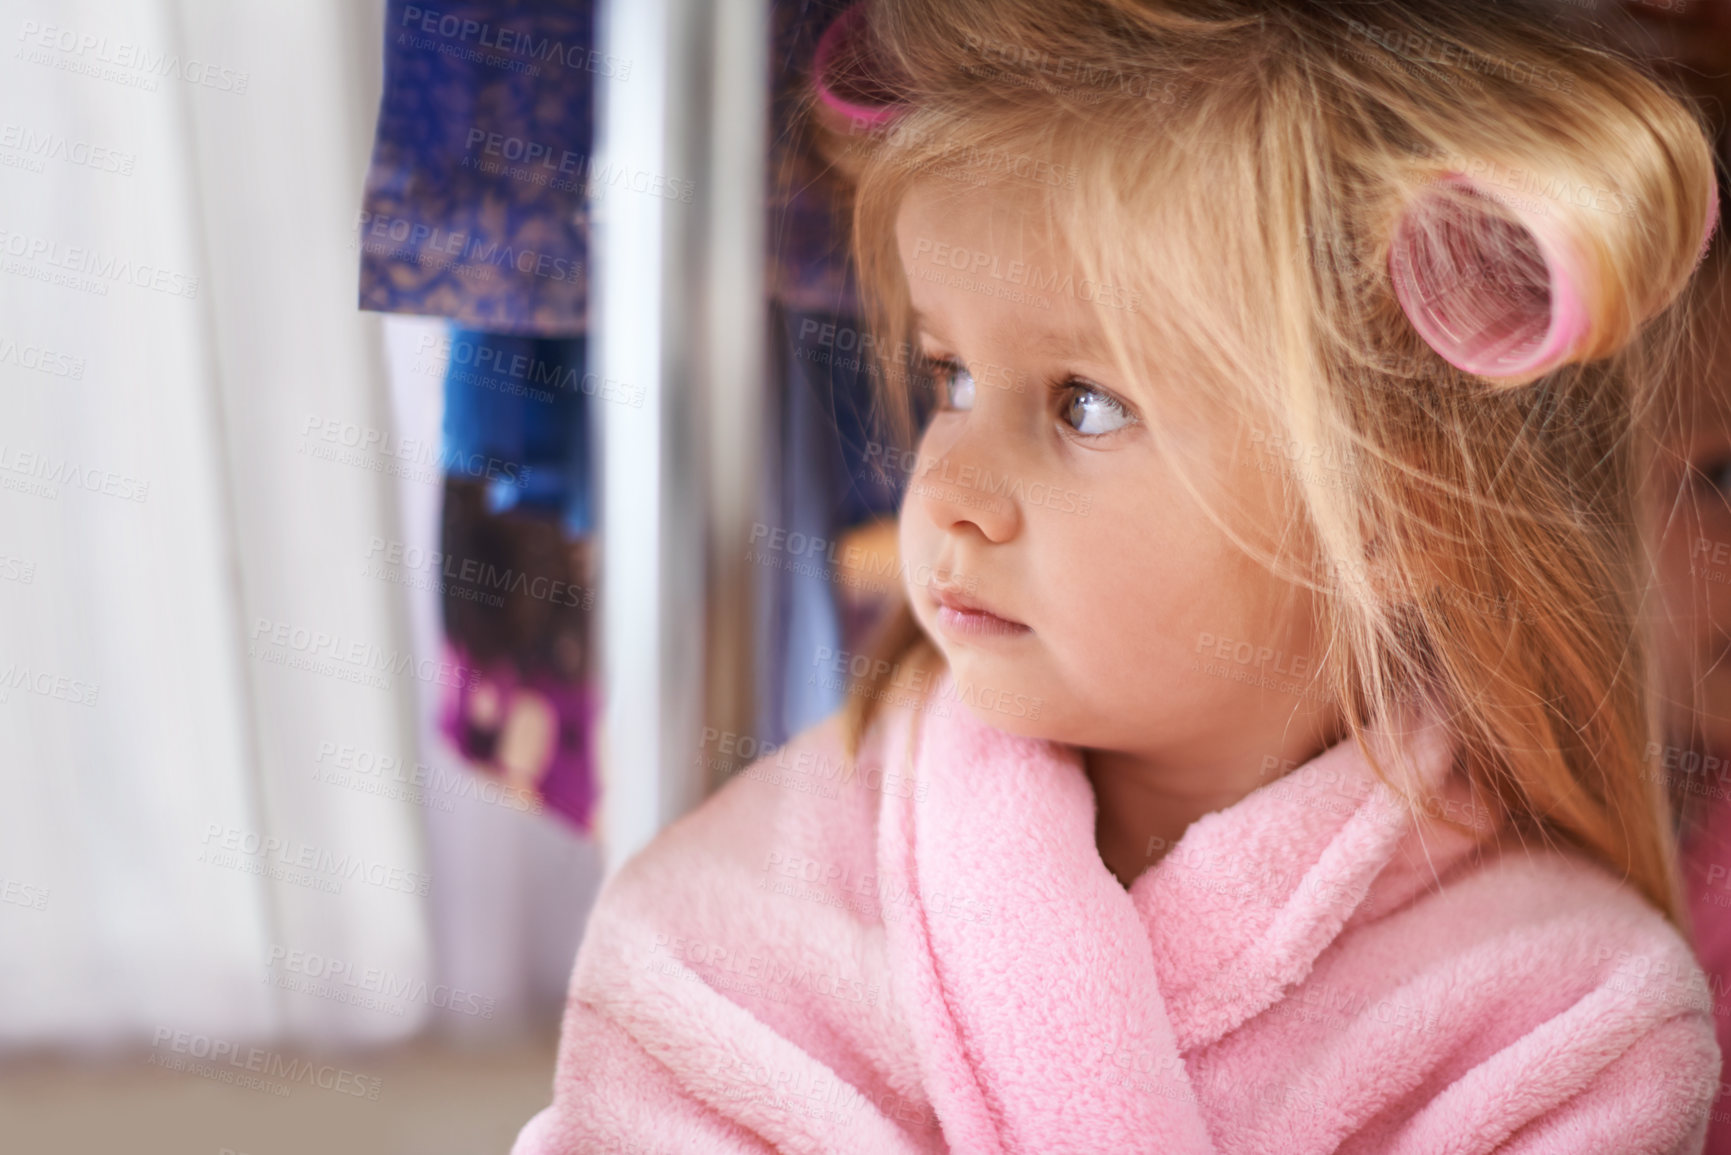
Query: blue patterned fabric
[523, 400]
[476, 202]
[476, 199]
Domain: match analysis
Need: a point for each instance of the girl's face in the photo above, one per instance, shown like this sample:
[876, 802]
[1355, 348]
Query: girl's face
[1118, 615]
[1694, 559]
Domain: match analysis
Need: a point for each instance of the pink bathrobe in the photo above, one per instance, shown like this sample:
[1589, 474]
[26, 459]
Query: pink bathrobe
[925, 953]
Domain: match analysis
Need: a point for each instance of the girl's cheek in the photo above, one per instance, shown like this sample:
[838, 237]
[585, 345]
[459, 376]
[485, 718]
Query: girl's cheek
[912, 541]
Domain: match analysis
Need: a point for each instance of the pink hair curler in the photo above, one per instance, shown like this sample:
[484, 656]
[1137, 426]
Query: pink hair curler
[1498, 298]
[1712, 215]
[848, 79]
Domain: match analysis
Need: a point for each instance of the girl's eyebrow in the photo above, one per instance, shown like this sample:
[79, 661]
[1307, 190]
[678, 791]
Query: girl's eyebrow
[1060, 344]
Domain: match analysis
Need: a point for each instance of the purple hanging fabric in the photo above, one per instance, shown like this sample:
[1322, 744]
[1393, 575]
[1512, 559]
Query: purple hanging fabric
[476, 203]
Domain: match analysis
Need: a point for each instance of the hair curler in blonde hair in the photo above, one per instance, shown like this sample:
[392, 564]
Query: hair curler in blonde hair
[1497, 297]
[848, 78]
[1505, 289]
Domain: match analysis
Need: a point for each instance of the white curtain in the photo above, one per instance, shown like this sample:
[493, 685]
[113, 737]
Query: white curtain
[202, 690]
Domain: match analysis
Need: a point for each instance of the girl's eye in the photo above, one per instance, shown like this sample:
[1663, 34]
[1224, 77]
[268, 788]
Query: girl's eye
[955, 384]
[1093, 412]
[1715, 475]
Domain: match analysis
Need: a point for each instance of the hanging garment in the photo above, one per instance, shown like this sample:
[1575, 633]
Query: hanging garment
[476, 203]
[513, 879]
[517, 565]
[518, 416]
[476, 209]
[932, 957]
[532, 732]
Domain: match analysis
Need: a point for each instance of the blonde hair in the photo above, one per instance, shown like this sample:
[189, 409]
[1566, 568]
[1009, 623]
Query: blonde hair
[1234, 172]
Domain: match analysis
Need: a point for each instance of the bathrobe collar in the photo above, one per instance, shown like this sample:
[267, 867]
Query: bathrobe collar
[1251, 895]
[1022, 942]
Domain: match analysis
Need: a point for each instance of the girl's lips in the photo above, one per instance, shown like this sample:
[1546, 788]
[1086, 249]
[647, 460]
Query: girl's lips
[960, 618]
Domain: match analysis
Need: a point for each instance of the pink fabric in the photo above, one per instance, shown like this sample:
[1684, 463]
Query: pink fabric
[925, 953]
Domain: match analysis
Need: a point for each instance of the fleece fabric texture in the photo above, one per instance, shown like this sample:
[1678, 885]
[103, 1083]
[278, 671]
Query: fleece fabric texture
[923, 952]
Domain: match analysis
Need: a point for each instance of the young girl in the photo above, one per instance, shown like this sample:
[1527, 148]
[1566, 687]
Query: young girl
[1257, 762]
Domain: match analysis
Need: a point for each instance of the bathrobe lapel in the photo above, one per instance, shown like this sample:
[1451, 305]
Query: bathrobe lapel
[1034, 980]
[1251, 895]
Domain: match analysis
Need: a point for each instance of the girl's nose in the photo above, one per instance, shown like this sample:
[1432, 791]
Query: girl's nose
[959, 487]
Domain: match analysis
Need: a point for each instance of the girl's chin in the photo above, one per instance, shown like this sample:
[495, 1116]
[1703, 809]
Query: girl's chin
[1021, 725]
[991, 690]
